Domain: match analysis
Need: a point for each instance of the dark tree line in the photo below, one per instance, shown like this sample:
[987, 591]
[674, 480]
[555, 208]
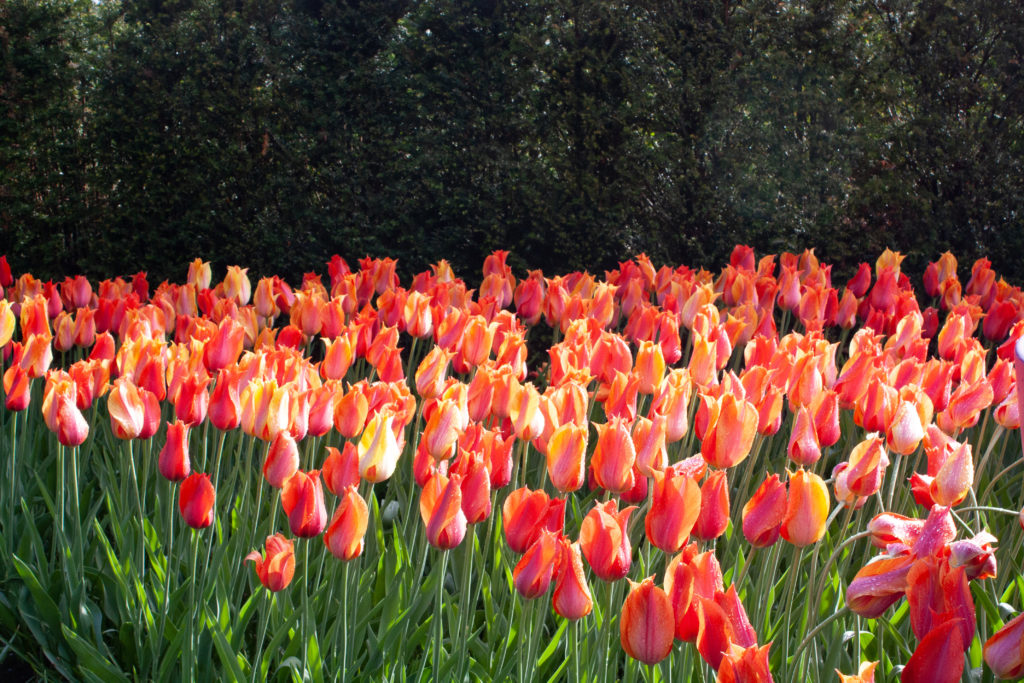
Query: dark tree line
[138, 134]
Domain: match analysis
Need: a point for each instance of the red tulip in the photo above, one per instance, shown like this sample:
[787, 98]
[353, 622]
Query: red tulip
[195, 500]
[174, 463]
[675, 506]
[526, 513]
[764, 512]
[302, 498]
[939, 657]
[533, 573]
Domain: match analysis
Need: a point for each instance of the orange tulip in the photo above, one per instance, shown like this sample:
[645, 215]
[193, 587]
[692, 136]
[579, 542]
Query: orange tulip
[1004, 651]
[282, 460]
[806, 510]
[432, 373]
[645, 627]
[441, 511]
[954, 478]
[302, 498]
[865, 674]
[675, 506]
[803, 441]
[714, 507]
[614, 456]
[764, 512]
[526, 513]
[276, 571]
[566, 451]
[347, 528]
[60, 409]
[533, 573]
[195, 500]
[127, 411]
[475, 486]
[341, 468]
[867, 464]
[745, 665]
[649, 441]
[732, 423]
[571, 598]
[17, 388]
[605, 542]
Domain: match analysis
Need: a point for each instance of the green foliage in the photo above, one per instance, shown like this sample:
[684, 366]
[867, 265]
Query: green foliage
[139, 134]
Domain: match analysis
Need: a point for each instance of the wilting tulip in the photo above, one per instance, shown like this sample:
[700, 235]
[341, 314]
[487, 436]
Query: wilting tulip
[675, 506]
[526, 513]
[378, 449]
[533, 573]
[1004, 651]
[174, 463]
[441, 511]
[605, 542]
[276, 570]
[713, 518]
[195, 500]
[571, 598]
[764, 512]
[347, 528]
[303, 501]
[645, 626]
[806, 510]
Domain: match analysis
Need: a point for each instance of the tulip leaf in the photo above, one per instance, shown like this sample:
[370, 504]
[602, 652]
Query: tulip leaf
[224, 650]
[44, 603]
[90, 660]
[552, 647]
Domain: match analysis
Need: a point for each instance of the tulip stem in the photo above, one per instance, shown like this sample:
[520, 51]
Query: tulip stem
[438, 625]
[345, 576]
[738, 581]
[793, 569]
[306, 588]
[169, 501]
[464, 603]
[190, 658]
[1002, 472]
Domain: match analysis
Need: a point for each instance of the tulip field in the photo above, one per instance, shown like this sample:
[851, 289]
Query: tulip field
[658, 474]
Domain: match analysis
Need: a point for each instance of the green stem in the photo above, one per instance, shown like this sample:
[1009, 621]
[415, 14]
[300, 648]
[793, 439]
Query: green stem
[464, 604]
[438, 622]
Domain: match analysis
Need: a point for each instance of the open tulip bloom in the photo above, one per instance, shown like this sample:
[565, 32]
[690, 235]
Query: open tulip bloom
[766, 473]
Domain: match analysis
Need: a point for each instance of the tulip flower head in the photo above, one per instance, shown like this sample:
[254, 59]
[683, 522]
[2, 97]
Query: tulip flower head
[196, 498]
[605, 541]
[347, 529]
[645, 626]
[302, 498]
[275, 571]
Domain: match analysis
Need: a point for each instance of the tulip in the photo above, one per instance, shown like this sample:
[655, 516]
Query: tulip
[614, 456]
[476, 485]
[939, 657]
[867, 464]
[341, 468]
[806, 510]
[441, 433]
[764, 512]
[126, 409]
[347, 528]
[571, 598]
[713, 518]
[732, 423]
[1004, 651]
[276, 571]
[174, 463]
[533, 573]
[645, 626]
[954, 479]
[865, 674]
[803, 441]
[605, 542]
[378, 449]
[17, 388]
[675, 506]
[649, 438]
[432, 372]
[441, 511]
[282, 460]
[526, 513]
[565, 457]
[302, 498]
[745, 665]
[195, 500]
[879, 584]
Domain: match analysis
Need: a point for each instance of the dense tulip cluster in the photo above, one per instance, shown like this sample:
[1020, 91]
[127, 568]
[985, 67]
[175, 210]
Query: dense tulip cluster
[674, 410]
